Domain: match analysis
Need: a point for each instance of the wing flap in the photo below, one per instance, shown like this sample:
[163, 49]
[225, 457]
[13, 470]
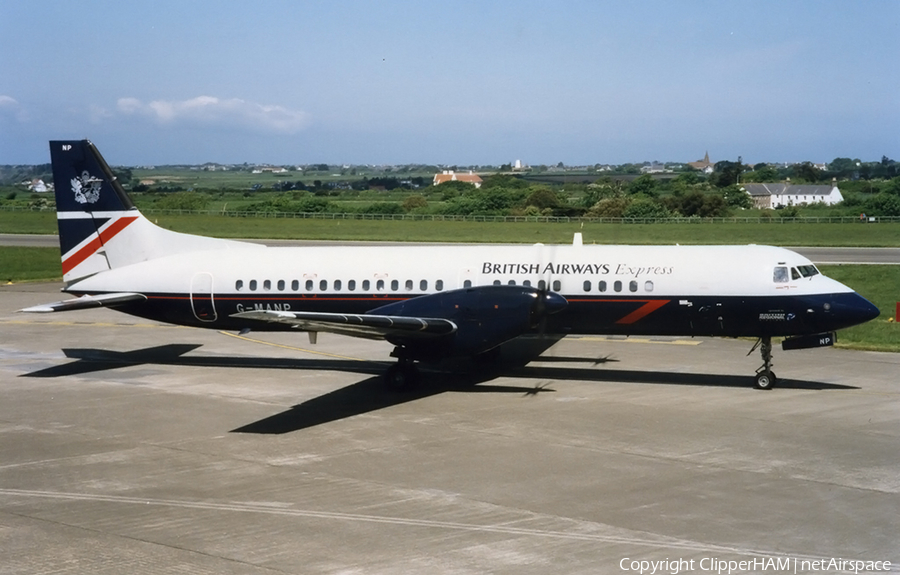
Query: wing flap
[86, 302]
[358, 325]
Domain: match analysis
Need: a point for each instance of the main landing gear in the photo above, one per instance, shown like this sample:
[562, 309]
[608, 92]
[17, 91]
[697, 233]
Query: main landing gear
[765, 378]
[403, 375]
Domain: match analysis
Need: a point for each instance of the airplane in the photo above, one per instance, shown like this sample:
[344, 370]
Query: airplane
[432, 302]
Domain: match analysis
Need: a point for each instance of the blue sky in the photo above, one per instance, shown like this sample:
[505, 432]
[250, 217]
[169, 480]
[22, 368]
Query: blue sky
[453, 82]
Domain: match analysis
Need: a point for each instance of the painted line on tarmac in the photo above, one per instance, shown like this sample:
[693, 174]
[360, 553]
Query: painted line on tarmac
[659, 542]
[87, 324]
[292, 348]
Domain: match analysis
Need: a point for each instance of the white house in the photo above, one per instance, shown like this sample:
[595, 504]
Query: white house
[451, 176]
[778, 195]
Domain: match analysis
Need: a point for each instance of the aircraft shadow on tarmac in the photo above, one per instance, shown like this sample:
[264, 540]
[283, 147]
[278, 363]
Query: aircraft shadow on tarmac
[369, 394]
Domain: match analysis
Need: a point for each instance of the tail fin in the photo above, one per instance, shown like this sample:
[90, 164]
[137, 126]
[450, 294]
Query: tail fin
[99, 227]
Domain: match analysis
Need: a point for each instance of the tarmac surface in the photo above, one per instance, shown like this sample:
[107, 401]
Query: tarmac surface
[128, 446]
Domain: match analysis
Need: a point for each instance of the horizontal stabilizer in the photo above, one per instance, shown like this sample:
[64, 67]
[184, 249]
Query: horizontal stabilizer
[360, 325]
[87, 302]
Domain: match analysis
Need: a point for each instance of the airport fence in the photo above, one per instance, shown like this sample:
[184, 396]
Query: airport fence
[476, 218]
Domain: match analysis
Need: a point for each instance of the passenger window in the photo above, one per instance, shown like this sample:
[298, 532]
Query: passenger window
[467, 284]
[496, 282]
[366, 285]
[351, 285]
[795, 275]
[280, 285]
[239, 285]
[587, 285]
[617, 286]
[542, 285]
[423, 285]
[439, 285]
[323, 285]
[267, 285]
[632, 286]
[781, 275]
[337, 285]
[648, 285]
[601, 286]
[309, 285]
[295, 285]
[395, 285]
[252, 285]
[379, 285]
[526, 283]
[557, 285]
[511, 282]
[409, 285]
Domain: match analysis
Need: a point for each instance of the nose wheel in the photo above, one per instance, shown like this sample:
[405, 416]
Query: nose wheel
[765, 377]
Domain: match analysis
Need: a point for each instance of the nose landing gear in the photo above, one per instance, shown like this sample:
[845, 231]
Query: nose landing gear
[765, 377]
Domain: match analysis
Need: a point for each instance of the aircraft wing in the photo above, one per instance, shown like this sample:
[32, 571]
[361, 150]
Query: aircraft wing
[370, 326]
[87, 302]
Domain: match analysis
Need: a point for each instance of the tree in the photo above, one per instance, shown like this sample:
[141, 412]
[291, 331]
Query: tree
[414, 202]
[609, 208]
[884, 204]
[843, 167]
[806, 172]
[727, 173]
[736, 197]
[646, 208]
[543, 198]
[763, 174]
[644, 185]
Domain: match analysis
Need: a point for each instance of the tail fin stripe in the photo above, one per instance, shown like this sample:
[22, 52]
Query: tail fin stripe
[88, 250]
[90, 215]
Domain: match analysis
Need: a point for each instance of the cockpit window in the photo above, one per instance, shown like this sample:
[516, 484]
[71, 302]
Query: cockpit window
[808, 271]
[795, 275]
[781, 275]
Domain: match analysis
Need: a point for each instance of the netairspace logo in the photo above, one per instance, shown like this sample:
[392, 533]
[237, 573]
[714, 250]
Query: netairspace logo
[755, 565]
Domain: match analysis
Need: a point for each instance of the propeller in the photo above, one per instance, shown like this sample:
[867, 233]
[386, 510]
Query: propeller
[547, 302]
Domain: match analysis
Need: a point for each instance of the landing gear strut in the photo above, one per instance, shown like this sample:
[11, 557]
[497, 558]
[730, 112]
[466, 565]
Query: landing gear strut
[403, 375]
[765, 378]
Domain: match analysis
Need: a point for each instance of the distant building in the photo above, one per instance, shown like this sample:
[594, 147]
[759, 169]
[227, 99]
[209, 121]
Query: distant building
[270, 169]
[703, 165]
[38, 186]
[451, 176]
[779, 195]
[654, 168]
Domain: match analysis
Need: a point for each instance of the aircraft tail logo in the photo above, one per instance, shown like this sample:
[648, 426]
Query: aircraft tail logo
[86, 188]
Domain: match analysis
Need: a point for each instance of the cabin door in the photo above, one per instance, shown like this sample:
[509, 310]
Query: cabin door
[708, 318]
[202, 302]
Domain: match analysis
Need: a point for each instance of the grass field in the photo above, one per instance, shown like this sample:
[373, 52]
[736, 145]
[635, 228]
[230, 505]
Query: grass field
[879, 284]
[834, 235]
[29, 264]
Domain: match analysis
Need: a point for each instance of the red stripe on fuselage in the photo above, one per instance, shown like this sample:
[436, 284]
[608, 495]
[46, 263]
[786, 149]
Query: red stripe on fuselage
[91, 248]
[650, 306]
[645, 310]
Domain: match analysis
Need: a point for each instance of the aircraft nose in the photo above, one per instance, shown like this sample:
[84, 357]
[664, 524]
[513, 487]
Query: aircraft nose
[851, 309]
[866, 310]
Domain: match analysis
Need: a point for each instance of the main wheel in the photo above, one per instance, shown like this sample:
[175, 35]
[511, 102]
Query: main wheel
[401, 377]
[765, 380]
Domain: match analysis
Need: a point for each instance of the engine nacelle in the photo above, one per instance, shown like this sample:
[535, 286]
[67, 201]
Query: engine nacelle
[485, 316]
